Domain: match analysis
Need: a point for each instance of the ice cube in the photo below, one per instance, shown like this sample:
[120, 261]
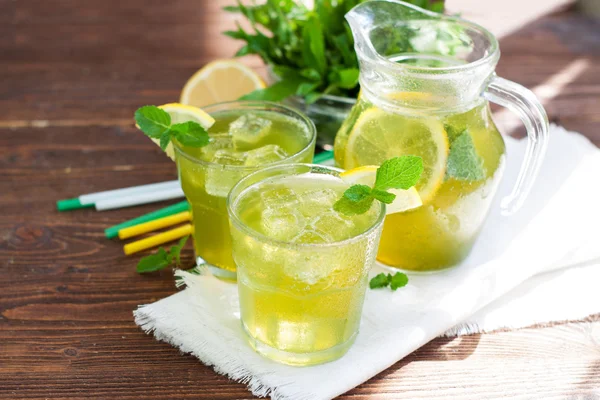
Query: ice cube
[220, 180]
[219, 141]
[248, 130]
[282, 223]
[333, 224]
[310, 235]
[265, 155]
[279, 197]
[310, 266]
[229, 157]
[313, 202]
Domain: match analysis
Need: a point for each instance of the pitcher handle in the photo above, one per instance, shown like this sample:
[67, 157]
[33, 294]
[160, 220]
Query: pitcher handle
[525, 104]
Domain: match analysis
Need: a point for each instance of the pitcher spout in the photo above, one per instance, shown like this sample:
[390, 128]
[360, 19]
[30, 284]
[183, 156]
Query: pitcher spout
[403, 48]
[376, 21]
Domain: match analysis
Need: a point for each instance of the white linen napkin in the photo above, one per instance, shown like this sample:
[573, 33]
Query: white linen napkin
[556, 228]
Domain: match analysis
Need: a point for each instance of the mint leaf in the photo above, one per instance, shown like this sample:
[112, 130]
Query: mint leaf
[453, 132]
[344, 46]
[349, 207]
[190, 133]
[306, 88]
[176, 250]
[384, 197]
[357, 193]
[348, 78]
[398, 280]
[153, 121]
[162, 259]
[165, 139]
[276, 92]
[357, 199]
[382, 280]
[154, 262]
[311, 74]
[379, 281]
[313, 50]
[399, 173]
[463, 161]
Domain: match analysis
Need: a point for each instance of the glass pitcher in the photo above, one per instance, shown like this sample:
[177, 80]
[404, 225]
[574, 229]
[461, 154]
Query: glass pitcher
[426, 80]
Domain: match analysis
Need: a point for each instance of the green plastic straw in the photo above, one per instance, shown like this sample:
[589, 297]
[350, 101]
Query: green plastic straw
[113, 231]
[323, 156]
[71, 204]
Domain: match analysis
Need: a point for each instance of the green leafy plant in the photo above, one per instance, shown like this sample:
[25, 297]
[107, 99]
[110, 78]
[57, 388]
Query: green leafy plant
[395, 281]
[162, 258]
[156, 123]
[396, 173]
[310, 50]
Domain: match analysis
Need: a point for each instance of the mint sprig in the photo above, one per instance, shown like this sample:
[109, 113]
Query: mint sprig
[156, 123]
[395, 281]
[396, 173]
[162, 259]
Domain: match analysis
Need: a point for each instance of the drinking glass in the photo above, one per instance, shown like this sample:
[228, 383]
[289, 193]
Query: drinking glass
[302, 267]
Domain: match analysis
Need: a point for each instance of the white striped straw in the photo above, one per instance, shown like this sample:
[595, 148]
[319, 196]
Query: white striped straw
[93, 198]
[139, 198]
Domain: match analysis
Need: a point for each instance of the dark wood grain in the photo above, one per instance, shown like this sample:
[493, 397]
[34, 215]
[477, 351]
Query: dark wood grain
[72, 73]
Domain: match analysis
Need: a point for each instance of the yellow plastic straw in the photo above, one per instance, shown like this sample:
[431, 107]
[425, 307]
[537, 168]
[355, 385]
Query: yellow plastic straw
[157, 224]
[157, 240]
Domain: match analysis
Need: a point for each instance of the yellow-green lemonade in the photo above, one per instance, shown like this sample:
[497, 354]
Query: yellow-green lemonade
[463, 156]
[245, 137]
[302, 266]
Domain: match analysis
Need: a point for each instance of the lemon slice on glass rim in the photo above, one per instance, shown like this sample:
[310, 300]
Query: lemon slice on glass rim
[378, 135]
[405, 199]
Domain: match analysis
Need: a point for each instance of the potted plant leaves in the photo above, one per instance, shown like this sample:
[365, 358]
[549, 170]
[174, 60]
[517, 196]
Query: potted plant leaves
[310, 55]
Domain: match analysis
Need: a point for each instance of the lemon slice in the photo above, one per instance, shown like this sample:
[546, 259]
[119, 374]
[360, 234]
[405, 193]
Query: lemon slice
[218, 81]
[405, 199]
[378, 135]
[183, 113]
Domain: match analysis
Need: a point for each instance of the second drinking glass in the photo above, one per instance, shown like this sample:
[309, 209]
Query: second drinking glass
[302, 266]
[245, 137]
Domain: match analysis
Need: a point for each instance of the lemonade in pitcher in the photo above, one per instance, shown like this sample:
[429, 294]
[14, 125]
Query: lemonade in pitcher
[425, 84]
[462, 154]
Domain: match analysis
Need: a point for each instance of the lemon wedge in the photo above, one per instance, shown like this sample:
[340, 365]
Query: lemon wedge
[405, 199]
[218, 81]
[183, 113]
[378, 135]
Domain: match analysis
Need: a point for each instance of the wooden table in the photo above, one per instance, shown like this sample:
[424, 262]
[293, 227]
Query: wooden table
[72, 74]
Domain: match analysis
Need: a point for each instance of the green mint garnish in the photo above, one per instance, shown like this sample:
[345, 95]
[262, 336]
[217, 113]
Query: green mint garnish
[162, 259]
[395, 281]
[153, 121]
[156, 123]
[463, 161]
[396, 173]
